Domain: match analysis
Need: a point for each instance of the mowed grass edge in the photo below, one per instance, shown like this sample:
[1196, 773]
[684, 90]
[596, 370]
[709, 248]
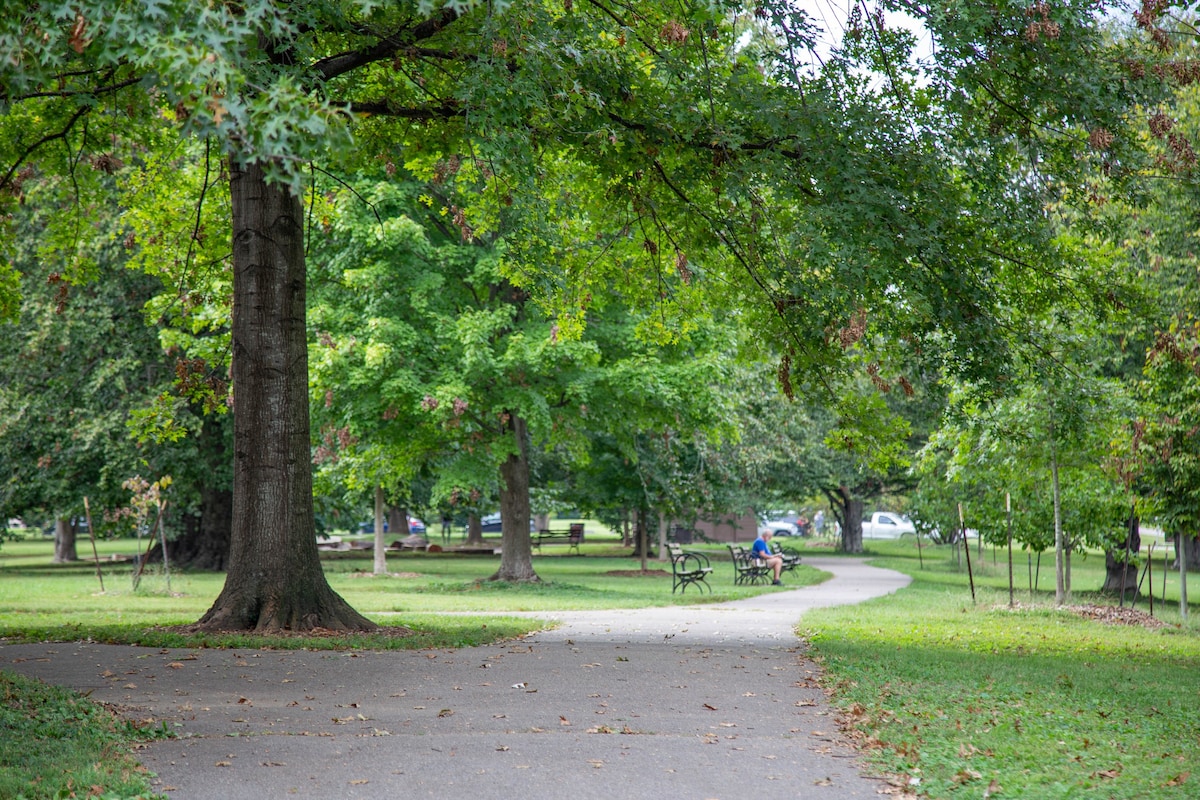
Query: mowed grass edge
[962, 699]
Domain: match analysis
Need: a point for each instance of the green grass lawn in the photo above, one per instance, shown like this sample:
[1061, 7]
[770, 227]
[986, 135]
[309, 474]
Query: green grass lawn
[962, 699]
[56, 744]
[89, 752]
[958, 698]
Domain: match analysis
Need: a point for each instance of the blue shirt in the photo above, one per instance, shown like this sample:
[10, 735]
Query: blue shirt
[760, 549]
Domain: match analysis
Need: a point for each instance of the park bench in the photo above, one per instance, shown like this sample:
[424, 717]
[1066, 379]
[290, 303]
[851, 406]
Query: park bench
[570, 536]
[688, 568]
[746, 568]
[791, 559]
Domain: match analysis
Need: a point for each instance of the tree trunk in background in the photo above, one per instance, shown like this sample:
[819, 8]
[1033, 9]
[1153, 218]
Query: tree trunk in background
[64, 541]
[852, 517]
[379, 549]
[202, 540]
[204, 544]
[397, 521]
[474, 531]
[1191, 546]
[275, 582]
[516, 556]
[1121, 577]
[641, 535]
[662, 536]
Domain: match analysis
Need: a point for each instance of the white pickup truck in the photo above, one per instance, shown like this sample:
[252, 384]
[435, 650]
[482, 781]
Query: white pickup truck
[886, 525]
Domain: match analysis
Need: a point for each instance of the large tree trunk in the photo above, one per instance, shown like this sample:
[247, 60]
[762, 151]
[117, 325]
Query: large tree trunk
[516, 556]
[274, 581]
[64, 541]
[1121, 575]
[852, 517]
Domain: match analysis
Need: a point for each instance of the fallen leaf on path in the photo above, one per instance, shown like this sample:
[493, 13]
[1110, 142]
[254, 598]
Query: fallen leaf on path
[710, 708]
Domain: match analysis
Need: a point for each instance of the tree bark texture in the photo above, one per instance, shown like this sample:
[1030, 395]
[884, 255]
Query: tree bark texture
[64, 541]
[275, 581]
[1121, 576]
[1191, 547]
[516, 556]
[397, 521]
[852, 514]
[380, 561]
[204, 543]
[474, 530]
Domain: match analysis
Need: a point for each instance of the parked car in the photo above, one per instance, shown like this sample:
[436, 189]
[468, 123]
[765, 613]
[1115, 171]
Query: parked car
[887, 525]
[414, 526]
[491, 523]
[782, 524]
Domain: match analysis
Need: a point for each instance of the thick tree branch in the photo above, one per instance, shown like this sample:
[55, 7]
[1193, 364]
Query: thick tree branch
[6, 180]
[774, 144]
[64, 93]
[447, 109]
[387, 47]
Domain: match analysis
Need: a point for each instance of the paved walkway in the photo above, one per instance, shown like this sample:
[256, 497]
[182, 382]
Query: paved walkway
[703, 702]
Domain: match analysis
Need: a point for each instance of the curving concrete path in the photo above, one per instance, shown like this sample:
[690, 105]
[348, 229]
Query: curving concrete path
[708, 701]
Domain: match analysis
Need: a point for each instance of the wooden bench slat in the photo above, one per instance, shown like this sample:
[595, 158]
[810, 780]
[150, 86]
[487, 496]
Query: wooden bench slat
[688, 568]
[746, 568]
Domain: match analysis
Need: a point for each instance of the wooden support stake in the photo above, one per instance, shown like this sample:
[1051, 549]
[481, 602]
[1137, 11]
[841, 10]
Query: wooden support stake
[967, 550]
[87, 511]
[1149, 575]
[162, 537]
[1008, 514]
[144, 557]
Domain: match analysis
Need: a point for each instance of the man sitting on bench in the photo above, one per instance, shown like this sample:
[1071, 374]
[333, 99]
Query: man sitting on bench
[763, 553]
